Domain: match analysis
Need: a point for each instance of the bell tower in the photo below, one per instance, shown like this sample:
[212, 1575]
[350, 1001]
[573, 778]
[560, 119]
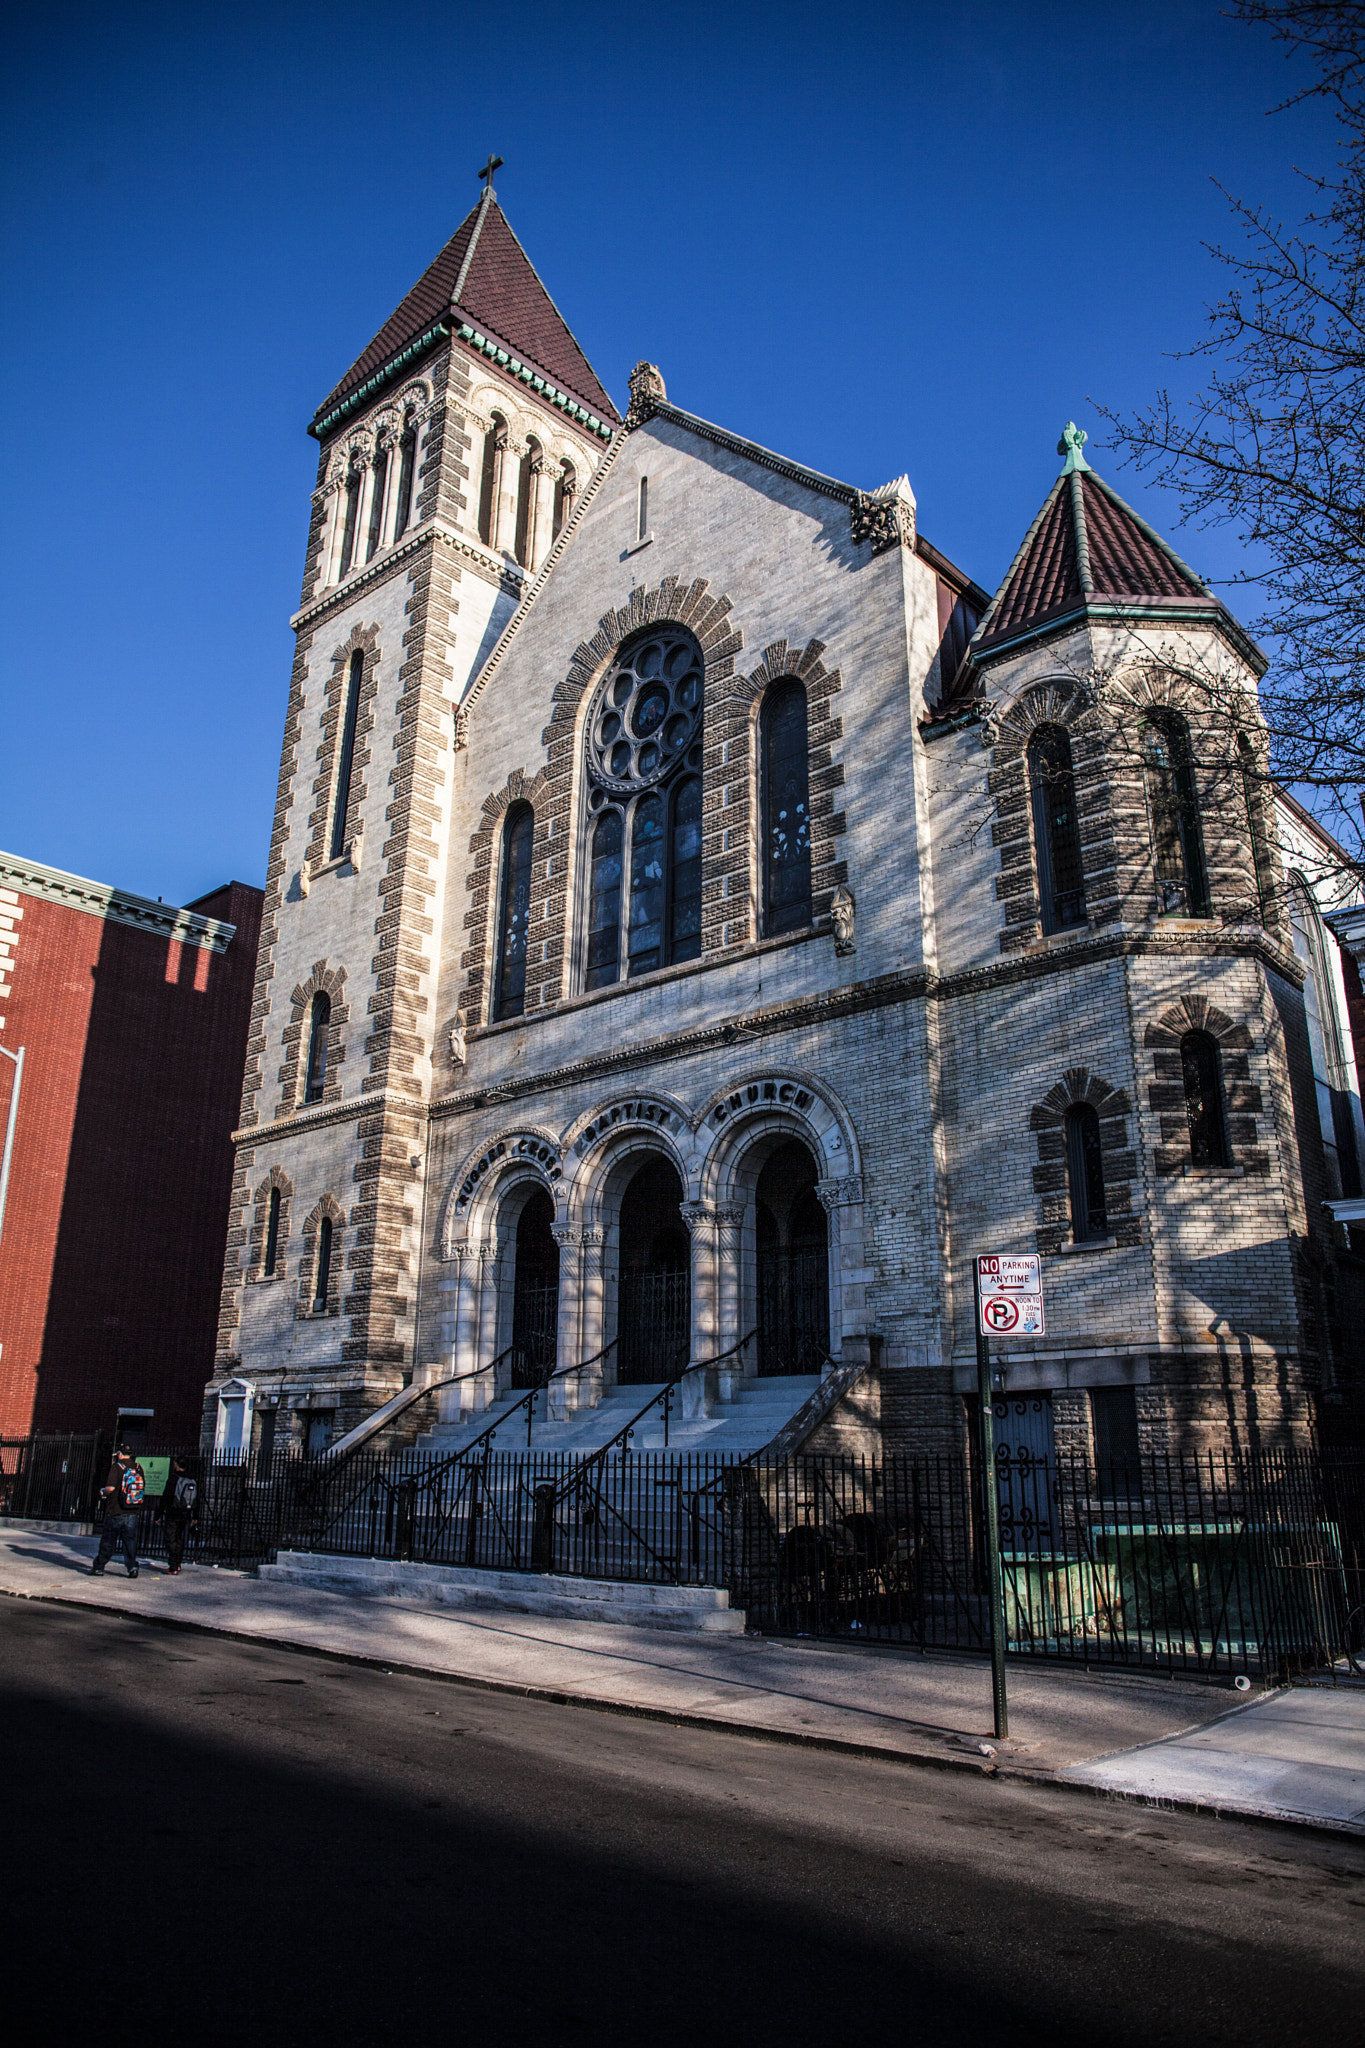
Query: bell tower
[450, 457]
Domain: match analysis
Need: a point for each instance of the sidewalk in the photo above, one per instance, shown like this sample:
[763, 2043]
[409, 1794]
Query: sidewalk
[1179, 1741]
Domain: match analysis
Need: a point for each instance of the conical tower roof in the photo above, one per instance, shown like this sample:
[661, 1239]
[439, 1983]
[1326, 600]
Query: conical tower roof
[1086, 556]
[484, 278]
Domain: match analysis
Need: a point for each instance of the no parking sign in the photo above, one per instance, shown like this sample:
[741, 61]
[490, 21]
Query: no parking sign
[1010, 1292]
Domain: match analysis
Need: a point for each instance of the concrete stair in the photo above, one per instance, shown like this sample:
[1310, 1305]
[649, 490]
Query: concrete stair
[762, 1410]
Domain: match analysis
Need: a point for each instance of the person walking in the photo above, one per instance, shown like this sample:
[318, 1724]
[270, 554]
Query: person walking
[179, 1512]
[123, 1493]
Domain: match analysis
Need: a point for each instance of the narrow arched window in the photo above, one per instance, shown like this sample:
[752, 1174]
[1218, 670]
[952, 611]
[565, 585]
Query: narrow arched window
[1326, 1048]
[1056, 833]
[1085, 1174]
[350, 516]
[566, 483]
[375, 531]
[1254, 792]
[1173, 807]
[407, 461]
[355, 674]
[528, 489]
[646, 944]
[1204, 1099]
[272, 1234]
[604, 904]
[518, 838]
[324, 1275]
[786, 810]
[319, 1027]
[684, 877]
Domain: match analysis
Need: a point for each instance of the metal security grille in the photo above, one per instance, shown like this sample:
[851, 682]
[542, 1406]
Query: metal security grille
[653, 1323]
[793, 1309]
[535, 1323]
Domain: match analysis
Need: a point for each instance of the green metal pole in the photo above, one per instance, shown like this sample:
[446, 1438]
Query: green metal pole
[990, 1500]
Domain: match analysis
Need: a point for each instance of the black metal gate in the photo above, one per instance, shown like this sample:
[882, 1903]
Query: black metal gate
[654, 1315]
[535, 1324]
[793, 1308]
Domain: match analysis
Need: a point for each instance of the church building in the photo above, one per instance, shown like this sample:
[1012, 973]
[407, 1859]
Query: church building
[699, 919]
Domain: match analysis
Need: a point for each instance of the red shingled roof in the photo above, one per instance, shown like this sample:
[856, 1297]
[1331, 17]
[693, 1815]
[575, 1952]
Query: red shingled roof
[501, 296]
[1086, 548]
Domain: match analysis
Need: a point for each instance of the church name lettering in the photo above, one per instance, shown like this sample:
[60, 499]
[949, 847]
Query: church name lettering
[626, 1113]
[786, 1093]
[535, 1149]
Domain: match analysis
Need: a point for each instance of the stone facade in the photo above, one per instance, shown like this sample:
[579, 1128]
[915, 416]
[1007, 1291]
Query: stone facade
[918, 1044]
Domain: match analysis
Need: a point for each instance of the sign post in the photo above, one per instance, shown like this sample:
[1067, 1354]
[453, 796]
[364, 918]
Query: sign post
[1009, 1302]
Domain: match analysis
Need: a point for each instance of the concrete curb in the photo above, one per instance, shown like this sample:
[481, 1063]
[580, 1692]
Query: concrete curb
[714, 1725]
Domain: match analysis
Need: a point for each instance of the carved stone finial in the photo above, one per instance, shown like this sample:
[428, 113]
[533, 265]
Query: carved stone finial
[843, 911]
[1072, 441]
[885, 517]
[646, 390]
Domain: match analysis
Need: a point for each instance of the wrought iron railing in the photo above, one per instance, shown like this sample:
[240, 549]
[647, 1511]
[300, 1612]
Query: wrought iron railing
[1209, 1564]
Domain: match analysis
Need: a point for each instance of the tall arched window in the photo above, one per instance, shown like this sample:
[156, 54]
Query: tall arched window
[337, 843]
[375, 531]
[319, 1027]
[1173, 808]
[604, 903]
[324, 1272]
[1204, 1100]
[1253, 789]
[786, 810]
[1085, 1174]
[1056, 833]
[566, 483]
[644, 795]
[272, 1234]
[514, 911]
[529, 472]
[350, 515]
[1327, 1052]
[407, 461]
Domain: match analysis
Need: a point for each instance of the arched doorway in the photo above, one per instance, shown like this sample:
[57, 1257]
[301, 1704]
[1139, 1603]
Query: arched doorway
[654, 1297]
[535, 1292]
[792, 1245]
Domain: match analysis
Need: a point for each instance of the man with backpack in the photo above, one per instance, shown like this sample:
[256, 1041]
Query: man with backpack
[123, 1493]
[179, 1512]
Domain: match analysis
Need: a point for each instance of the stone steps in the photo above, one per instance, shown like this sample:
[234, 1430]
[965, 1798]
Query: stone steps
[738, 1427]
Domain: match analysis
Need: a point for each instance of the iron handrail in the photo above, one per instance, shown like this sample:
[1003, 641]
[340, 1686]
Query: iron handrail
[560, 1372]
[667, 1392]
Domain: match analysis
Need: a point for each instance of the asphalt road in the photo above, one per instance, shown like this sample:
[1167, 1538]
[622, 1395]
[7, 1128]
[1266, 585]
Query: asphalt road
[208, 1841]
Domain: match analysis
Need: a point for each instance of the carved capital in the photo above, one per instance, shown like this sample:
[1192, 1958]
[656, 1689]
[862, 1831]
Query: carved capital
[696, 1216]
[565, 1235]
[646, 392]
[838, 1194]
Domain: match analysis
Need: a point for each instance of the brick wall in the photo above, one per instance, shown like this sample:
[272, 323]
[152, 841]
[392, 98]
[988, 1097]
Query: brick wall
[118, 1201]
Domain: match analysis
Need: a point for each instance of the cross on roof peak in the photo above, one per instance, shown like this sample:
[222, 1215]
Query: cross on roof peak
[494, 164]
[1072, 441]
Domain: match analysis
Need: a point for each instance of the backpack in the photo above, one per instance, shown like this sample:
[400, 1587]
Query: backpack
[185, 1496]
[132, 1486]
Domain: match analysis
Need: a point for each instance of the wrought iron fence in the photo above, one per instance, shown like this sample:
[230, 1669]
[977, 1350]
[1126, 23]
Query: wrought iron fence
[1202, 1564]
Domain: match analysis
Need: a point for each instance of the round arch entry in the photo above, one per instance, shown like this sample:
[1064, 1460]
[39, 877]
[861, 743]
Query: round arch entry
[654, 1277]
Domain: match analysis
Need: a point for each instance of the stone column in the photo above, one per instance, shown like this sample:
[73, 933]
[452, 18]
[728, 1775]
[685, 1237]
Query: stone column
[842, 1202]
[699, 1389]
[567, 1394]
[336, 530]
[729, 1252]
[503, 518]
[593, 1302]
[359, 553]
[540, 514]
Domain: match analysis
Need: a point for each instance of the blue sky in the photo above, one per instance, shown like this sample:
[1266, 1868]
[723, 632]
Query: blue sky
[878, 238]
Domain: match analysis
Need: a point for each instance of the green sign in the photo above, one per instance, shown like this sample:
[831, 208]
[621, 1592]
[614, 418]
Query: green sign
[156, 1471]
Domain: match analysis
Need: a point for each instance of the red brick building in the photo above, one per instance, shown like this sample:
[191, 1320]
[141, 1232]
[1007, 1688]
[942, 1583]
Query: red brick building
[133, 1017]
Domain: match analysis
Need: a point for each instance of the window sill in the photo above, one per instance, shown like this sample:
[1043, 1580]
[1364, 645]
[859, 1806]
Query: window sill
[1089, 1244]
[645, 541]
[1189, 1171]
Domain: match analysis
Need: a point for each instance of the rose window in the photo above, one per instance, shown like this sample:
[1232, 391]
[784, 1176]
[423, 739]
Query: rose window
[647, 720]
